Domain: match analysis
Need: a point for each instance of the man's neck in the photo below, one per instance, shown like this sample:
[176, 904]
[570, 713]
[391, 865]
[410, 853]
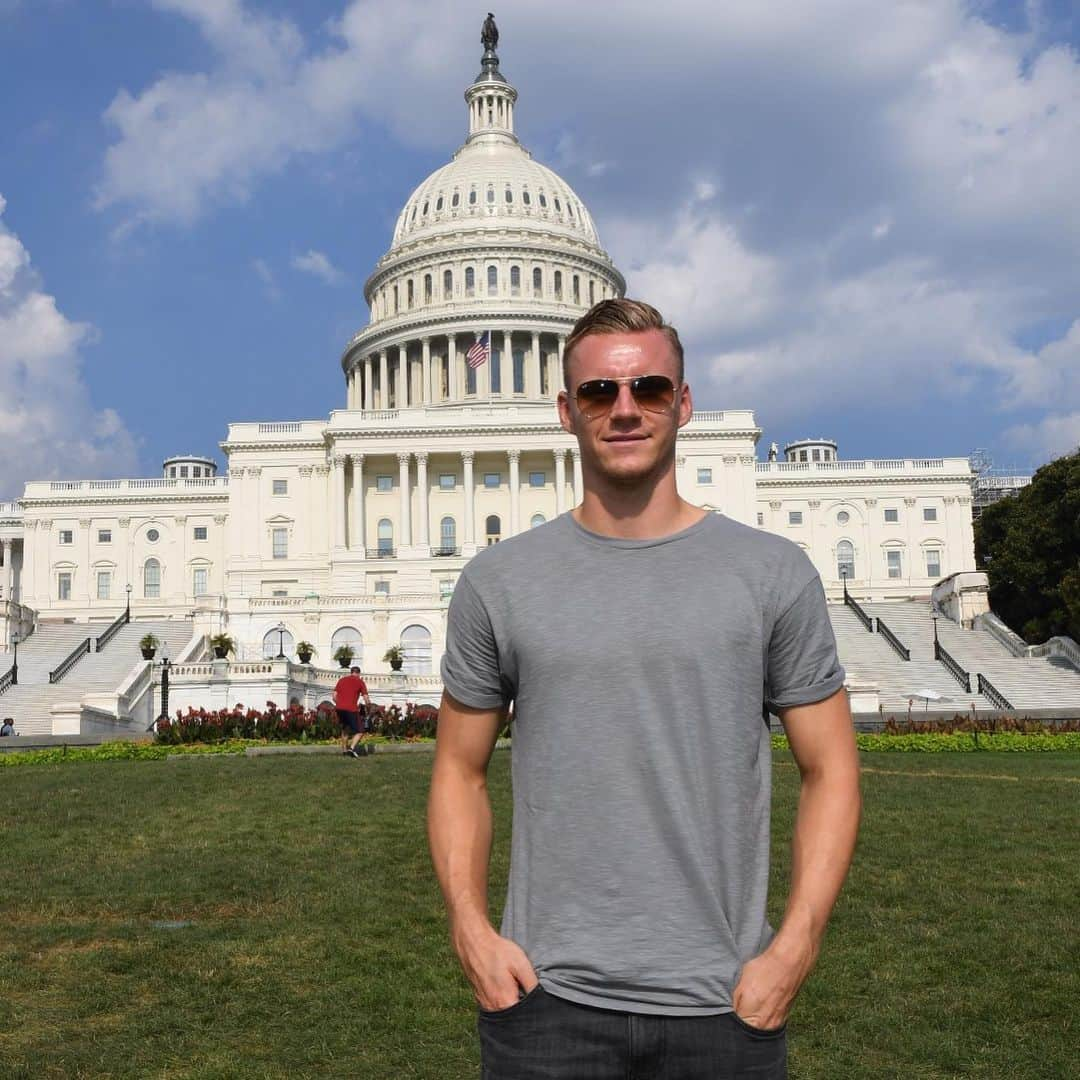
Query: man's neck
[648, 513]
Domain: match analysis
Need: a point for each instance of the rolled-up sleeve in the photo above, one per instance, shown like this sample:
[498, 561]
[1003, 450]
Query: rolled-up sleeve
[803, 666]
[470, 664]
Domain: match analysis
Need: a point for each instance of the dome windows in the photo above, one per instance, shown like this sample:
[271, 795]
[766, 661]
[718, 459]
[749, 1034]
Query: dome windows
[515, 280]
[538, 282]
[490, 194]
[492, 280]
[448, 284]
[412, 217]
[455, 200]
[558, 284]
[438, 204]
[509, 195]
[427, 288]
[426, 205]
[472, 197]
[470, 281]
[558, 205]
[409, 293]
[525, 198]
[543, 201]
[577, 289]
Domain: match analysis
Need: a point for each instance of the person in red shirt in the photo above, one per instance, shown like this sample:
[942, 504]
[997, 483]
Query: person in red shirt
[347, 694]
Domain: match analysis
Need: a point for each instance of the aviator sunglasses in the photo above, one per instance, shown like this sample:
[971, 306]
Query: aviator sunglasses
[652, 393]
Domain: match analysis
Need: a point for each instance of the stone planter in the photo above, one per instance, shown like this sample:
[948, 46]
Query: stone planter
[395, 665]
[148, 654]
[220, 653]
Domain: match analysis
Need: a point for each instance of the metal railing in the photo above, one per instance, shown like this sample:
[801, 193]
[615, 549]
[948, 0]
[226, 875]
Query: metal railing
[852, 603]
[438, 552]
[113, 629]
[8, 679]
[381, 553]
[988, 689]
[899, 647]
[954, 669]
[65, 665]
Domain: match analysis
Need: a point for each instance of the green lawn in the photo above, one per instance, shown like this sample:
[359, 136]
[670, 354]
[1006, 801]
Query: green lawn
[316, 944]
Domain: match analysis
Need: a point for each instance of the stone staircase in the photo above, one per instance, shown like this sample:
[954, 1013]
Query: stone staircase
[1027, 682]
[30, 702]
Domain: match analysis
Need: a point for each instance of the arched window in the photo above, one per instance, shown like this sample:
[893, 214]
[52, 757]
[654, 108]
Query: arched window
[490, 194]
[470, 281]
[472, 197]
[447, 284]
[278, 643]
[509, 195]
[427, 288]
[845, 560]
[543, 200]
[536, 519]
[151, 579]
[493, 529]
[519, 371]
[386, 538]
[515, 280]
[416, 644]
[538, 281]
[395, 300]
[493, 280]
[577, 289]
[424, 212]
[525, 198]
[447, 536]
[409, 292]
[455, 202]
[438, 204]
[558, 205]
[558, 284]
[349, 635]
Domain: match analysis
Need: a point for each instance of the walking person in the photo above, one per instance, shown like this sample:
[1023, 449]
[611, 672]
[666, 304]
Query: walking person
[347, 694]
[641, 642]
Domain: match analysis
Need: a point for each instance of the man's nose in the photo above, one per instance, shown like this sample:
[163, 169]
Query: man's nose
[626, 405]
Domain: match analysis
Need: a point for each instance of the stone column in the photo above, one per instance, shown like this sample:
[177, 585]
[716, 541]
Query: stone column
[452, 367]
[8, 576]
[337, 486]
[422, 490]
[404, 527]
[401, 400]
[384, 380]
[532, 372]
[427, 395]
[555, 379]
[579, 486]
[507, 364]
[515, 491]
[358, 501]
[467, 486]
[560, 481]
[369, 380]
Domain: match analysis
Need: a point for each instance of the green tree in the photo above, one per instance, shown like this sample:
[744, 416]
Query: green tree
[1029, 546]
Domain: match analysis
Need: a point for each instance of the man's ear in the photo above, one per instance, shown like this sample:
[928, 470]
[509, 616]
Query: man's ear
[566, 417]
[686, 405]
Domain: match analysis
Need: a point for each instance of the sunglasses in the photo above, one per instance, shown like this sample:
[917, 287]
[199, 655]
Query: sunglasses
[597, 397]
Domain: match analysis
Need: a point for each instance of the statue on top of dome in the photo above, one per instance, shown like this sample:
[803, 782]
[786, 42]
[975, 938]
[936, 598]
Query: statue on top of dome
[489, 35]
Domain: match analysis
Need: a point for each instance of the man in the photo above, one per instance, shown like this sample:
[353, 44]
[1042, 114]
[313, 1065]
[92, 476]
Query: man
[640, 641]
[7, 727]
[347, 693]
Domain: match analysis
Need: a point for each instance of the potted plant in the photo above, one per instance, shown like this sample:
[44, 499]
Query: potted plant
[395, 656]
[222, 645]
[343, 654]
[305, 651]
[148, 645]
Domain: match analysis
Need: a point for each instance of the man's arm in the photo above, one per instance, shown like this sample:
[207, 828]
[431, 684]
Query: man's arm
[459, 834]
[822, 740]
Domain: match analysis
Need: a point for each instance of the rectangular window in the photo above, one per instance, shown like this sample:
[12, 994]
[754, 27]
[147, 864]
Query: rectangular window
[892, 515]
[760, 520]
[794, 517]
[382, 587]
[704, 476]
[537, 479]
[104, 584]
[492, 479]
[929, 513]
[198, 581]
[446, 588]
[933, 563]
[104, 536]
[281, 487]
[281, 543]
[200, 532]
[279, 592]
[892, 558]
[384, 483]
[183, 470]
[447, 481]
[67, 536]
[63, 586]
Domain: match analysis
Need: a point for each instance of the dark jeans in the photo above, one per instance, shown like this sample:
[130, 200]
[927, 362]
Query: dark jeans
[544, 1037]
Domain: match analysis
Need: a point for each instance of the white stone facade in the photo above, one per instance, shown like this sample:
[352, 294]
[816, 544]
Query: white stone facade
[354, 529]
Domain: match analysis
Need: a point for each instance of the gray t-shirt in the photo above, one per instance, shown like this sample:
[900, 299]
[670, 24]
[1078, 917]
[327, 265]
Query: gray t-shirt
[638, 672]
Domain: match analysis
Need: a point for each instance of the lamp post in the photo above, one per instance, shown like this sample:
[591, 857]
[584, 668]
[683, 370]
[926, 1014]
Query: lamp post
[127, 610]
[166, 663]
[15, 662]
[281, 641]
[937, 646]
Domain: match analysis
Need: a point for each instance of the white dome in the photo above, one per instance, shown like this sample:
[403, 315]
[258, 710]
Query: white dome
[494, 185]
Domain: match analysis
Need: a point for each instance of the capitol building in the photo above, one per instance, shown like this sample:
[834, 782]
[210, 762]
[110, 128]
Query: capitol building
[352, 529]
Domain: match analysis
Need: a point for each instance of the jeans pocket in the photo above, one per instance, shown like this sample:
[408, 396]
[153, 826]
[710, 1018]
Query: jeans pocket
[755, 1032]
[510, 1010]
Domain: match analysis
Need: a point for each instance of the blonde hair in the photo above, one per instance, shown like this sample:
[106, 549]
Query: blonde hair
[620, 316]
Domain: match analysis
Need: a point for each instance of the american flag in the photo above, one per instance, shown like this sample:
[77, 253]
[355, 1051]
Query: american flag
[480, 350]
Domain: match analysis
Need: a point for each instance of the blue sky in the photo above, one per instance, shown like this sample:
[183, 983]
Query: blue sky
[863, 216]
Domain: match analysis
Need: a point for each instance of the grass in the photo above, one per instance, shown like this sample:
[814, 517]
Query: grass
[316, 947]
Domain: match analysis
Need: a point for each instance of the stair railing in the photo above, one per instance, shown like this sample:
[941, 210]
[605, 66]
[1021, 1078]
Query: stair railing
[69, 661]
[113, 629]
[898, 646]
[852, 603]
[954, 669]
[988, 689]
[7, 680]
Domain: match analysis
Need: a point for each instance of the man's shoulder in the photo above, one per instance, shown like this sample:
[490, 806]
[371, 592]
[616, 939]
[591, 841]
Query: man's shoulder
[753, 540]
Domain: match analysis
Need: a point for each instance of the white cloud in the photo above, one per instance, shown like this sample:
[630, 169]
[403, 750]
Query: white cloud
[315, 262]
[266, 275]
[1048, 438]
[48, 425]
